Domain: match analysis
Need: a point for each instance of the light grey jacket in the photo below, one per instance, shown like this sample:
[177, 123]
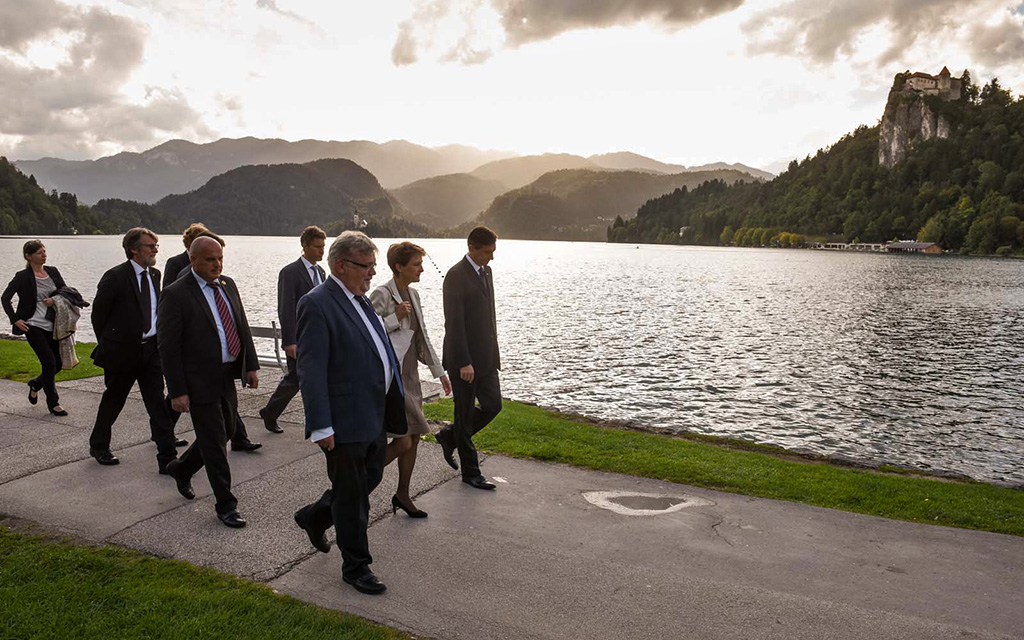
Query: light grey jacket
[385, 298]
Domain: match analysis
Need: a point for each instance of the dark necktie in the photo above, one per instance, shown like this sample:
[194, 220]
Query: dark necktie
[147, 301]
[316, 276]
[230, 331]
[487, 282]
[371, 315]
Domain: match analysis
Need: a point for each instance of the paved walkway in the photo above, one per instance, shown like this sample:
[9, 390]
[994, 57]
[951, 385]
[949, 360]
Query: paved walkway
[538, 558]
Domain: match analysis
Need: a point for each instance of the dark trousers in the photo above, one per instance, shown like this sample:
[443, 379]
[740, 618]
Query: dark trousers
[48, 352]
[355, 470]
[238, 434]
[151, 383]
[470, 418]
[215, 425]
[286, 390]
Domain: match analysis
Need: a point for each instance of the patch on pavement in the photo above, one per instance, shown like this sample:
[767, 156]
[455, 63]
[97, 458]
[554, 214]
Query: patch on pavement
[631, 503]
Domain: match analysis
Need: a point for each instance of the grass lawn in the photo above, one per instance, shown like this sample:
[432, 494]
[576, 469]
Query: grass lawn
[57, 590]
[526, 431]
[19, 362]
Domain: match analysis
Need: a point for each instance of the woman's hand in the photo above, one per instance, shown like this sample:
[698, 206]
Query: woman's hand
[48, 302]
[21, 324]
[403, 310]
[446, 384]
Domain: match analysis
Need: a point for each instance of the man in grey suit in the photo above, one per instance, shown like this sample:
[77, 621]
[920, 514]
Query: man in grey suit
[294, 281]
[351, 387]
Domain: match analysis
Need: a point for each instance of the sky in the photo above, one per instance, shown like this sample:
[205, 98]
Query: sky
[684, 81]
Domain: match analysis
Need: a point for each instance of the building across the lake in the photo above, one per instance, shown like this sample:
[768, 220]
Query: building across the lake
[909, 246]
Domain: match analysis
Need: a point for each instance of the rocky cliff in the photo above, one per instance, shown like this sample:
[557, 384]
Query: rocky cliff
[907, 119]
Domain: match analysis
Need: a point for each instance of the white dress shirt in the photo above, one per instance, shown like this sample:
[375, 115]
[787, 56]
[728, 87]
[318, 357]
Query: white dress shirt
[382, 352]
[146, 282]
[207, 290]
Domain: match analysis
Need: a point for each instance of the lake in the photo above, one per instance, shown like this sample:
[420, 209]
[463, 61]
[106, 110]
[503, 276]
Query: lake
[916, 360]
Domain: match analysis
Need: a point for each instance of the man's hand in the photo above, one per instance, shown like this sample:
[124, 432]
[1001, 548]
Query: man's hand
[180, 404]
[290, 350]
[446, 384]
[252, 379]
[467, 373]
[402, 310]
[327, 444]
[21, 324]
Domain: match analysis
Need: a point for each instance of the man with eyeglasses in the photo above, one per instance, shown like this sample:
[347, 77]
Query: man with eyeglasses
[351, 390]
[124, 320]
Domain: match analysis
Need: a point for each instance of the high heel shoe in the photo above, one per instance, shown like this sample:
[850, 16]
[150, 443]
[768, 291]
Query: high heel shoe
[32, 399]
[396, 504]
[58, 412]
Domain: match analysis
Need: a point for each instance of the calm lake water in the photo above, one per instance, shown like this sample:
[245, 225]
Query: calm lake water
[916, 360]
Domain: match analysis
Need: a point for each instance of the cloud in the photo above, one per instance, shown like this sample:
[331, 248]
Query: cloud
[271, 5]
[1000, 44]
[76, 106]
[802, 28]
[523, 21]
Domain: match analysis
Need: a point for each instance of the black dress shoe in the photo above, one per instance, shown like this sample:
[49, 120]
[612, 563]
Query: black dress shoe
[58, 412]
[181, 442]
[366, 584]
[479, 482]
[106, 458]
[447, 448]
[33, 394]
[316, 538]
[270, 423]
[246, 445]
[184, 485]
[232, 519]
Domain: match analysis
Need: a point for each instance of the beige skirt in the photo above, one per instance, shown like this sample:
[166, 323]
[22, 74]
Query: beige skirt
[413, 394]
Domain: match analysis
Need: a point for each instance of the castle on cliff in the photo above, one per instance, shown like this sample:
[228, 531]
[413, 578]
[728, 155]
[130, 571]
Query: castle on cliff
[943, 85]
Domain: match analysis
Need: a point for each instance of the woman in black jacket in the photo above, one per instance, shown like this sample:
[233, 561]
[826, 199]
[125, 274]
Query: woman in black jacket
[34, 286]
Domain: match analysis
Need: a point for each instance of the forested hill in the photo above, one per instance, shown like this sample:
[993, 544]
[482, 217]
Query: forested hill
[282, 199]
[965, 192]
[25, 209]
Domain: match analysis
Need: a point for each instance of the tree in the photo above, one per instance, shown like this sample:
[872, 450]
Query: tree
[727, 235]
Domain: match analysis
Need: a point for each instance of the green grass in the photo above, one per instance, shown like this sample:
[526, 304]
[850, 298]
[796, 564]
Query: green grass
[19, 362]
[58, 590]
[526, 431]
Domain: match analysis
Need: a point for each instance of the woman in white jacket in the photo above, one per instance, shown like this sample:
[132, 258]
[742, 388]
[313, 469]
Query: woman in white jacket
[399, 305]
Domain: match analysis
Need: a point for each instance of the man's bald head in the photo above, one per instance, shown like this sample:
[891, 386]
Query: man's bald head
[207, 258]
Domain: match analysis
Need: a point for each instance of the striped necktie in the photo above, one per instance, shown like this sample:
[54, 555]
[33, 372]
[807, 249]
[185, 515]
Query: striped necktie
[230, 331]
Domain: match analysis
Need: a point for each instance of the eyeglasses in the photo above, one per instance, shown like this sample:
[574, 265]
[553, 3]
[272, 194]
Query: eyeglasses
[151, 246]
[372, 265]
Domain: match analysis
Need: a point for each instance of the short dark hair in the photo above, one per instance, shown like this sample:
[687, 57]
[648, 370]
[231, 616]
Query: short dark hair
[481, 237]
[311, 233]
[133, 239]
[31, 247]
[401, 253]
[192, 232]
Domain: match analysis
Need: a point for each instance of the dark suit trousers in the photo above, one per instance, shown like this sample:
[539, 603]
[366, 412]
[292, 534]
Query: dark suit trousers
[239, 434]
[355, 470]
[214, 424]
[469, 418]
[286, 390]
[151, 384]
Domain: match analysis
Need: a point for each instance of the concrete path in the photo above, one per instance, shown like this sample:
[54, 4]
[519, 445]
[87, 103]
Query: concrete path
[547, 555]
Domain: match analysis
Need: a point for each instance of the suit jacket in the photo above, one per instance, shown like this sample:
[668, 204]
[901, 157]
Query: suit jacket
[340, 373]
[470, 328]
[385, 298]
[190, 352]
[117, 313]
[174, 266]
[24, 285]
[293, 282]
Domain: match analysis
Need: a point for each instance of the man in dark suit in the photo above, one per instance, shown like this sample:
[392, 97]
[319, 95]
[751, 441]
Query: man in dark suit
[294, 281]
[177, 263]
[175, 268]
[352, 394]
[205, 345]
[470, 354]
[125, 322]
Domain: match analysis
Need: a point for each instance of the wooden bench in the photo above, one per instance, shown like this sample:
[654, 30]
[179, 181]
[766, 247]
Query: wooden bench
[274, 332]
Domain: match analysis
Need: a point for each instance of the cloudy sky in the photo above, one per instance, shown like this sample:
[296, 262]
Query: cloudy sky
[686, 81]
